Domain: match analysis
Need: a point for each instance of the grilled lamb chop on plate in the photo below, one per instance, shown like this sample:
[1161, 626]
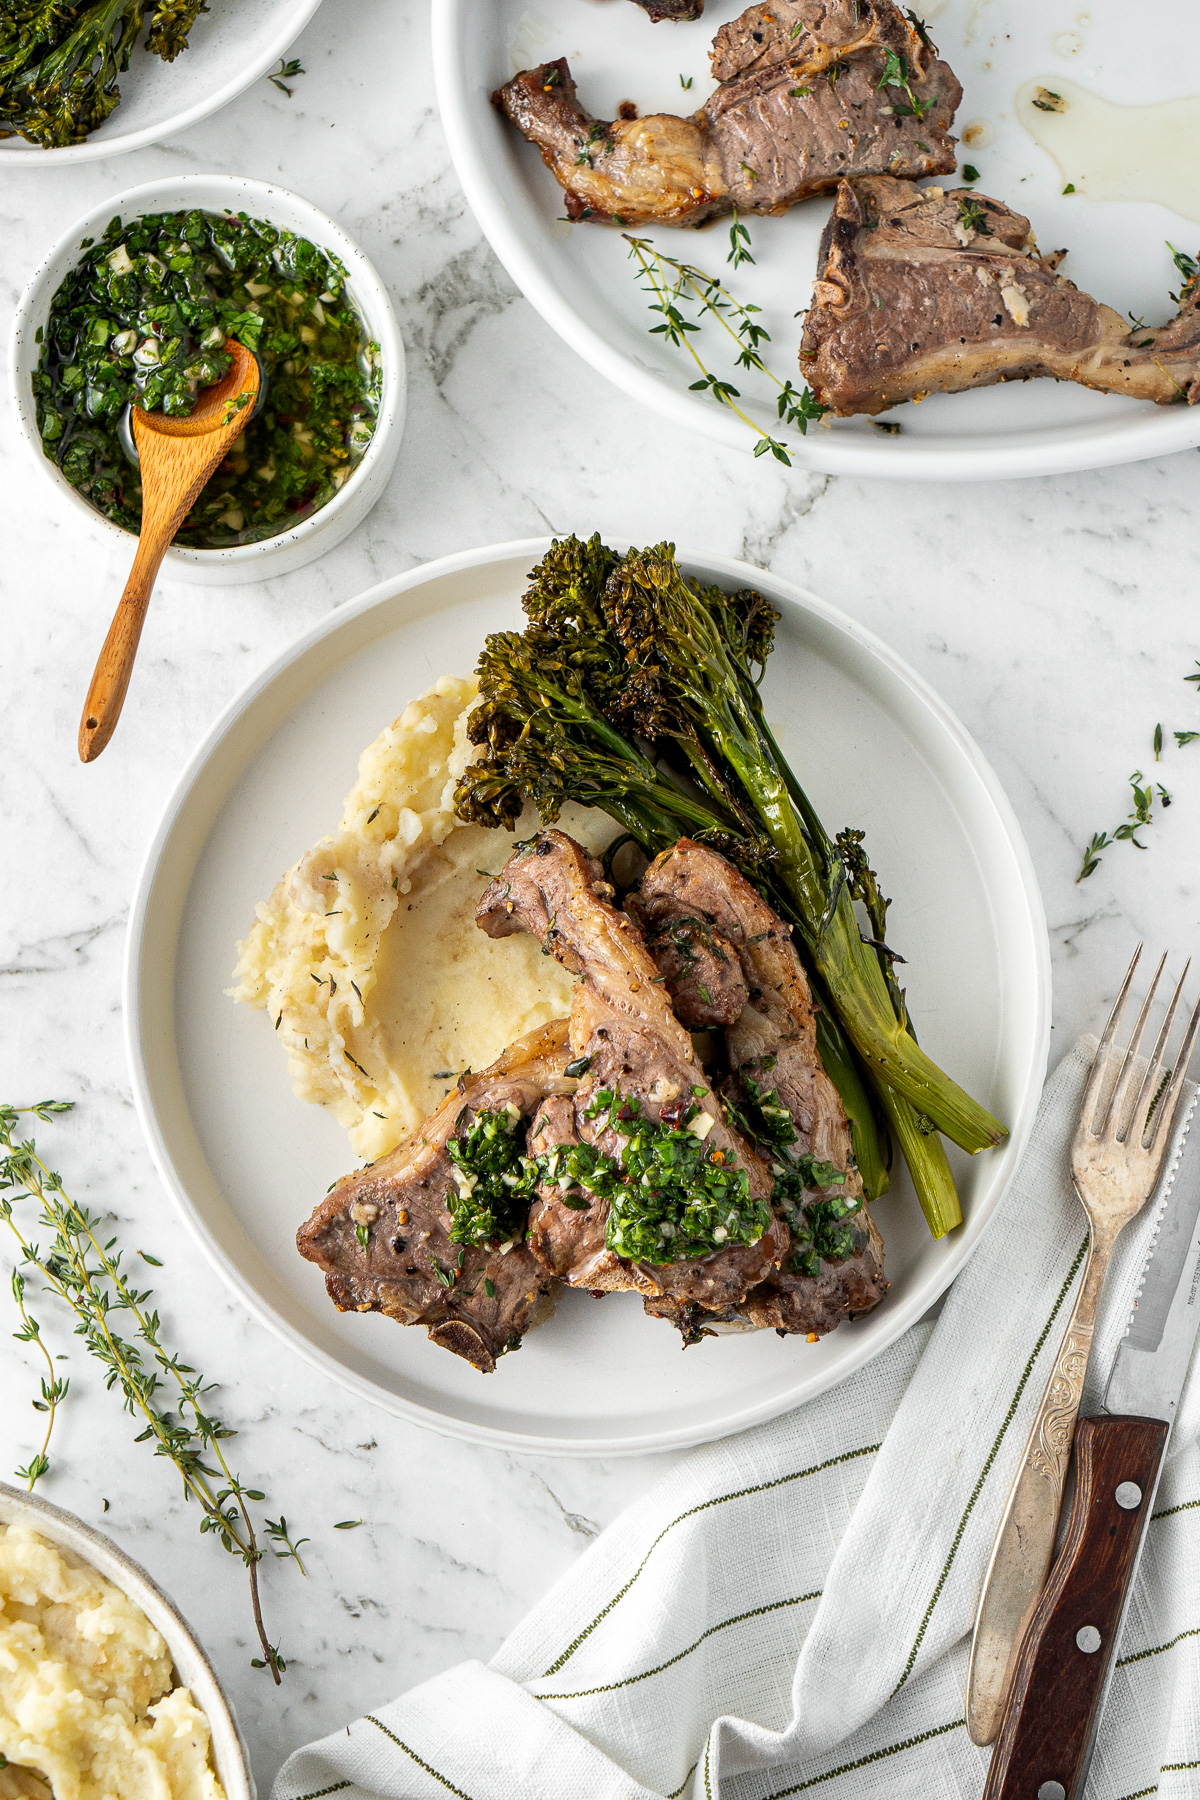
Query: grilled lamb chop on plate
[383, 1236]
[810, 91]
[925, 291]
[835, 1267]
[641, 1088]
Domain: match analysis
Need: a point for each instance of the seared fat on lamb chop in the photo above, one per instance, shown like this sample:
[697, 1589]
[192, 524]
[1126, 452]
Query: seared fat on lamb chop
[810, 91]
[430, 1234]
[694, 904]
[644, 1184]
[925, 291]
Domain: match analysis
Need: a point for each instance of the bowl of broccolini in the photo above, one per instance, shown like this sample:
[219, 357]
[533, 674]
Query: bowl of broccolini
[89, 78]
[133, 307]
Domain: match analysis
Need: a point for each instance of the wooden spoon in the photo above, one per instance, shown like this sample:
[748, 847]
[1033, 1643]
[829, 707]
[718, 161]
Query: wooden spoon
[177, 457]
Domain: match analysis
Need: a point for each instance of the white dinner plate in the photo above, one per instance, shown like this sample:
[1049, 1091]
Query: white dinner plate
[246, 1161]
[580, 280]
[229, 48]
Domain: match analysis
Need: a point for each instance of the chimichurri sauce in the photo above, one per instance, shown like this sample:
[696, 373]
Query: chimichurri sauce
[143, 317]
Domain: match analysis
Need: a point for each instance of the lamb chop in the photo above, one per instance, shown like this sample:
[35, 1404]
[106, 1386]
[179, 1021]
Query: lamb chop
[642, 1100]
[410, 1235]
[926, 291]
[677, 10]
[810, 91]
[777, 1083]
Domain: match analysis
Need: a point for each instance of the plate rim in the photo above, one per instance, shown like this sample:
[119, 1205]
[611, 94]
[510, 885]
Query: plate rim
[906, 1314]
[293, 19]
[1019, 455]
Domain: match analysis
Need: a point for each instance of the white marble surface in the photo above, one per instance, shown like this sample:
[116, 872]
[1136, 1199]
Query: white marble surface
[1057, 617]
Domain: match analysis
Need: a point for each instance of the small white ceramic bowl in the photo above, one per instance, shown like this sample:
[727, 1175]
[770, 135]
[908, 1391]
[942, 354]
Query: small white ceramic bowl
[192, 1667]
[290, 549]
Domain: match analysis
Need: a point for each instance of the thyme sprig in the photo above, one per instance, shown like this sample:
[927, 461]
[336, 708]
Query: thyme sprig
[1142, 812]
[672, 285]
[166, 1394]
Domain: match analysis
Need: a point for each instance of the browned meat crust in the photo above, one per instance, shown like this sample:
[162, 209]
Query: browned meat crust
[409, 1268]
[802, 103]
[622, 1022]
[701, 970]
[679, 11]
[773, 1043]
[922, 292]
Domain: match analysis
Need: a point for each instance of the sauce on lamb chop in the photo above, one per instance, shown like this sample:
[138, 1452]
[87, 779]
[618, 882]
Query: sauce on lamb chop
[643, 1101]
[809, 91]
[777, 1083]
[926, 291]
[398, 1238]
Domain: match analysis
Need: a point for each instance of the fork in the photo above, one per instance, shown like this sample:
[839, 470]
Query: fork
[1114, 1170]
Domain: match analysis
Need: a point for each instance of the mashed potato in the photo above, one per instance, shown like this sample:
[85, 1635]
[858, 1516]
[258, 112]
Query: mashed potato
[367, 957]
[87, 1694]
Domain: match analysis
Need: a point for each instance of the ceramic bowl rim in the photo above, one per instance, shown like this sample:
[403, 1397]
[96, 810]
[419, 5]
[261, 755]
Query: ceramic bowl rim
[69, 1532]
[250, 194]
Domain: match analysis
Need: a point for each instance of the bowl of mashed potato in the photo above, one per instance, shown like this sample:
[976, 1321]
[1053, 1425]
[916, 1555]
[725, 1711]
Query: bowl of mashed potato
[104, 1692]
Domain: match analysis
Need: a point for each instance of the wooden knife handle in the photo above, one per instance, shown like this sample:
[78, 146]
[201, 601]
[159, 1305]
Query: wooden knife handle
[1045, 1738]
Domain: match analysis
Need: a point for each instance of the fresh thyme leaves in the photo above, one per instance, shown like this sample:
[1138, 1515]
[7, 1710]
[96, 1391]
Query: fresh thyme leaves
[673, 285]
[287, 71]
[896, 75]
[973, 217]
[918, 26]
[347, 1524]
[167, 1395]
[1140, 815]
[739, 243]
[970, 172]
[597, 137]
[1188, 268]
[685, 83]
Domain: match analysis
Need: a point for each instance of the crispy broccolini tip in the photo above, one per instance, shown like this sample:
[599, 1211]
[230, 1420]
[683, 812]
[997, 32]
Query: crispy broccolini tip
[60, 60]
[635, 690]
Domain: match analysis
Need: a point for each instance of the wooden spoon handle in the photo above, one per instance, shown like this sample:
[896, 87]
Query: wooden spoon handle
[114, 665]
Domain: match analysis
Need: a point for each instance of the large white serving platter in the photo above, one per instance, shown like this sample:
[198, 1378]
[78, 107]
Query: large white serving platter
[579, 279]
[246, 1161]
[229, 48]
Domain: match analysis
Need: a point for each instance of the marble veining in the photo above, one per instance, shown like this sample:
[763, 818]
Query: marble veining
[1058, 618]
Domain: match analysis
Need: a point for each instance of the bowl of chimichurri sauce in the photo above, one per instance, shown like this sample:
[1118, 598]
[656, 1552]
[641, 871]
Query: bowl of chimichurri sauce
[133, 309]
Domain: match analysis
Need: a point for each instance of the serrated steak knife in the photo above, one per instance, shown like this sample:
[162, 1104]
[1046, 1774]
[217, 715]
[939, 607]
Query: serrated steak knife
[1053, 1708]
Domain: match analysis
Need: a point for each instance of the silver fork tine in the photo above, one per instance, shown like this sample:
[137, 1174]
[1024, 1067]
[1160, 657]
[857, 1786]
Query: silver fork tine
[1146, 1093]
[1119, 1105]
[1166, 1107]
[1100, 1060]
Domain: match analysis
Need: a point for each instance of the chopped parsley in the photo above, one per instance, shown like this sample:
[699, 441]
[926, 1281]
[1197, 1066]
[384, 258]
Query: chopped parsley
[805, 1186]
[670, 1195]
[493, 1177]
[143, 317]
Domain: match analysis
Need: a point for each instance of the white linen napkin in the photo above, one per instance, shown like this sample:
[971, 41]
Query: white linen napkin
[789, 1611]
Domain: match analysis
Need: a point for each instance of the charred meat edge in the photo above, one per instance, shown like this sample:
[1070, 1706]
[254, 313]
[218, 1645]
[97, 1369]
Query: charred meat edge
[401, 1202]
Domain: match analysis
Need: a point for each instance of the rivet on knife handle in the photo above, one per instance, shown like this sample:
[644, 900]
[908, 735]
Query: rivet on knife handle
[1049, 1721]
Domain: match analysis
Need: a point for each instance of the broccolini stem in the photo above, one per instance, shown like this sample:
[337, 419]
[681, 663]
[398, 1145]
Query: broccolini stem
[928, 1164]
